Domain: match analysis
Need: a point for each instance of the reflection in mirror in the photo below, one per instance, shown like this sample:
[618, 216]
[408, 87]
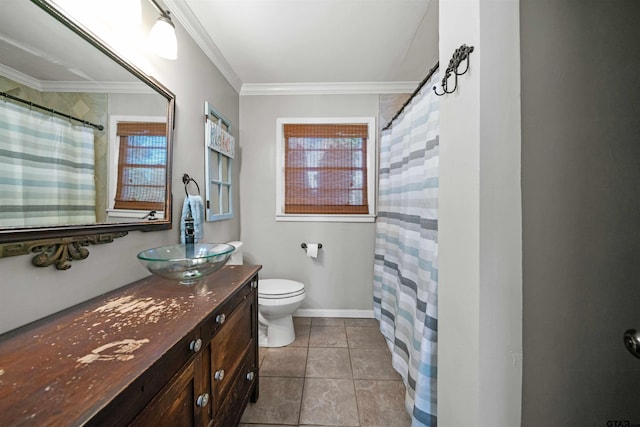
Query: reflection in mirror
[138, 149]
[85, 137]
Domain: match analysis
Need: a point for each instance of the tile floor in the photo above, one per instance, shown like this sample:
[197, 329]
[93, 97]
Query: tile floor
[336, 373]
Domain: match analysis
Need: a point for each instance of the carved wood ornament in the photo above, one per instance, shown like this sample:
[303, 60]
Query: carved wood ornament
[58, 251]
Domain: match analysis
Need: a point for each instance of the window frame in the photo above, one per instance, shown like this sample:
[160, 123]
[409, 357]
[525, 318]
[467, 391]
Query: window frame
[371, 156]
[213, 186]
[112, 165]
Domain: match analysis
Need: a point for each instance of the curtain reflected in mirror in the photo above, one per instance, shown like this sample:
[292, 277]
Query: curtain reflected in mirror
[47, 169]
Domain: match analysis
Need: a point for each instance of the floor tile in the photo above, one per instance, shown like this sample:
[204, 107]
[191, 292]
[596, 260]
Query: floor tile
[327, 336]
[302, 336]
[302, 321]
[362, 337]
[370, 323]
[329, 402]
[381, 403]
[328, 363]
[372, 364]
[265, 425]
[262, 351]
[284, 362]
[279, 402]
[337, 372]
[327, 321]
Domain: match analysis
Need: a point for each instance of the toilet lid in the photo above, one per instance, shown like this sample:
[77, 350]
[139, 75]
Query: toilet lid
[279, 288]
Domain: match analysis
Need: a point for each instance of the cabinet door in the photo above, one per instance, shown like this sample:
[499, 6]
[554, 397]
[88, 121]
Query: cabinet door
[231, 409]
[180, 403]
[232, 348]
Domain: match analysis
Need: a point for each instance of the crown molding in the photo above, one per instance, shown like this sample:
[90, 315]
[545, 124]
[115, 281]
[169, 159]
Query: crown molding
[20, 77]
[98, 87]
[353, 88]
[187, 19]
[74, 86]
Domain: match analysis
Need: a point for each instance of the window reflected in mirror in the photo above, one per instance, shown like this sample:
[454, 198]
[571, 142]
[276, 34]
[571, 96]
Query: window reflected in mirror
[140, 175]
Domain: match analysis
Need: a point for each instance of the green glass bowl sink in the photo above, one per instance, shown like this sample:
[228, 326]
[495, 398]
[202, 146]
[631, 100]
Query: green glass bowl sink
[188, 263]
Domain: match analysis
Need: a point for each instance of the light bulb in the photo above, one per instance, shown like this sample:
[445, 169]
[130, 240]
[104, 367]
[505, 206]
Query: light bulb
[163, 38]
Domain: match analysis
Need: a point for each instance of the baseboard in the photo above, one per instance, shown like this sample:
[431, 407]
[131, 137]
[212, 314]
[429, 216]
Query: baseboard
[320, 312]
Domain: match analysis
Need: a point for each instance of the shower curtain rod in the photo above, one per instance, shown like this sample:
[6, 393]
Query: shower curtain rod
[420, 86]
[51, 110]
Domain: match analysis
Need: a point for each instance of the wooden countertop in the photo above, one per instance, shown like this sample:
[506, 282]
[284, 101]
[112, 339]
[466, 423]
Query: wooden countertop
[62, 370]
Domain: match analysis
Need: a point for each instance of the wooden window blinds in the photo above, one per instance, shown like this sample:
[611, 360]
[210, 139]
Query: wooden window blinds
[142, 166]
[326, 169]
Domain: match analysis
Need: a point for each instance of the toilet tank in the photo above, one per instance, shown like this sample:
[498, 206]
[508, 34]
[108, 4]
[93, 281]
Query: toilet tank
[236, 256]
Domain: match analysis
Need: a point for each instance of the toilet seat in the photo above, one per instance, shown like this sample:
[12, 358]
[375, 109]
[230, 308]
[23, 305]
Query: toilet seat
[279, 288]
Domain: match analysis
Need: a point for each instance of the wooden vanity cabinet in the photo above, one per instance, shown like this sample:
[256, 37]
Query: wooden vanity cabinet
[216, 384]
[196, 364]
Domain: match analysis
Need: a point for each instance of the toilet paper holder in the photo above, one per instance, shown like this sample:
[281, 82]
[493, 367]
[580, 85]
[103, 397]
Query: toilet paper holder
[304, 245]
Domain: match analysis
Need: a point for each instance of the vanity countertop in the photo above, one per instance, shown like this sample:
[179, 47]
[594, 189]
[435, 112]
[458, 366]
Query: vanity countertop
[66, 368]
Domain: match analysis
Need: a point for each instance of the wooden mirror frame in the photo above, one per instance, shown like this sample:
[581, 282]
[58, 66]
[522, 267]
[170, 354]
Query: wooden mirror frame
[59, 245]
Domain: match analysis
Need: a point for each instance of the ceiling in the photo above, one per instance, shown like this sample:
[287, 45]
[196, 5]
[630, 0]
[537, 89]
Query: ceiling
[42, 53]
[277, 43]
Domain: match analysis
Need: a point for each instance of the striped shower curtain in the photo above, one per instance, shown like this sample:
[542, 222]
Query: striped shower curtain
[405, 290]
[46, 169]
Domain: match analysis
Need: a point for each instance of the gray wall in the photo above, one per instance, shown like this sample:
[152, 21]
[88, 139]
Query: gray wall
[28, 293]
[341, 277]
[479, 228]
[581, 211]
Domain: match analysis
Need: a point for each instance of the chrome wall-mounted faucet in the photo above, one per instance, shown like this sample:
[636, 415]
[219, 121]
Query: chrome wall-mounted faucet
[189, 229]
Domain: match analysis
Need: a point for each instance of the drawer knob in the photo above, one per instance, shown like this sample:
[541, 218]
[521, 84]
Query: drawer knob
[202, 400]
[250, 376]
[219, 375]
[254, 284]
[195, 345]
[220, 318]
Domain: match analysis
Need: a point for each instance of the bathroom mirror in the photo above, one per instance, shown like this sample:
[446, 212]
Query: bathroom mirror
[109, 110]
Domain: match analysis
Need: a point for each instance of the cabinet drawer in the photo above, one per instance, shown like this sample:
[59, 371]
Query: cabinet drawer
[222, 314]
[232, 346]
[140, 392]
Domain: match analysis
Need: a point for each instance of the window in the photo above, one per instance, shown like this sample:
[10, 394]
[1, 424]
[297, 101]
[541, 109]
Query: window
[326, 169]
[219, 153]
[139, 181]
[142, 166]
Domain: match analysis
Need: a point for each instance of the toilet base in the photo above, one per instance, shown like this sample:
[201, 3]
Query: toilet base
[262, 335]
[276, 332]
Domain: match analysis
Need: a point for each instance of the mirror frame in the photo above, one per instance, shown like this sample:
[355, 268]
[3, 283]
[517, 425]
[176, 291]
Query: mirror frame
[60, 245]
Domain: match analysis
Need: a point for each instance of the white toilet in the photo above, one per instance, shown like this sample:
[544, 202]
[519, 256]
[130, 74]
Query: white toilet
[278, 299]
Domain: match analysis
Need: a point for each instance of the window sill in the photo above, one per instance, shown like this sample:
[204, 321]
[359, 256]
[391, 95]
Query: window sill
[133, 214]
[325, 218]
[219, 217]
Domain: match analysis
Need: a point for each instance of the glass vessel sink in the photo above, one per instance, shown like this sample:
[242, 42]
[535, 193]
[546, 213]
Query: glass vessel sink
[188, 263]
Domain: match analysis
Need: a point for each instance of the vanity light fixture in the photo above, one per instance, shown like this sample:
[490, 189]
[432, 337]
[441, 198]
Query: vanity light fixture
[163, 35]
